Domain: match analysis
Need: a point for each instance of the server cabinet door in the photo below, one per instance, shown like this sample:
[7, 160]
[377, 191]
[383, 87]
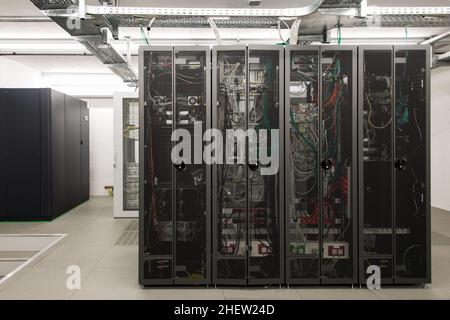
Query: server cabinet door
[23, 164]
[58, 153]
[302, 165]
[411, 167]
[84, 143]
[157, 192]
[2, 154]
[73, 154]
[338, 136]
[264, 180]
[192, 253]
[375, 147]
[130, 154]
[230, 175]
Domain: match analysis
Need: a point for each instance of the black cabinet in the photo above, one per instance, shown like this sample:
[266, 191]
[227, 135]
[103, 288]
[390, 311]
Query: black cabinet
[352, 193]
[248, 246]
[84, 162]
[321, 164]
[174, 196]
[40, 153]
[394, 166]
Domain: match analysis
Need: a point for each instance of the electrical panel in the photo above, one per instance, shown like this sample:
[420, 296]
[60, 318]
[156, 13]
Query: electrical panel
[126, 155]
[174, 195]
[321, 164]
[247, 204]
[394, 162]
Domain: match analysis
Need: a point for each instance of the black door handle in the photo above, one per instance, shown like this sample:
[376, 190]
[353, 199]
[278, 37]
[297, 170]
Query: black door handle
[253, 166]
[326, 164]
[180, 166]
[400, 164]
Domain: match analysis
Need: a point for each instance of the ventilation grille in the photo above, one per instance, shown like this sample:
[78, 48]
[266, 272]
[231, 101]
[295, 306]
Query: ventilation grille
[133, 226]
[438, 239]
[130, 236]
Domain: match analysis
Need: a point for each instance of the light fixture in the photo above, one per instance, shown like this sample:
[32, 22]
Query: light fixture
[220, 18]
[287, 18]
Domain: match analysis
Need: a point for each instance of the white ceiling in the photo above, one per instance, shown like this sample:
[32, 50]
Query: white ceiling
[19, 8]
[61, 64]
[49, 39]
[211, 3]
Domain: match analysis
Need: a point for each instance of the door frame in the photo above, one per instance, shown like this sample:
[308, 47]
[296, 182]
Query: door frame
[118, 103]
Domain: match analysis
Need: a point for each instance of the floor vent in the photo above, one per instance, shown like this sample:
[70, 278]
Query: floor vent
[128, 238]
[438, 239]
[133, 226]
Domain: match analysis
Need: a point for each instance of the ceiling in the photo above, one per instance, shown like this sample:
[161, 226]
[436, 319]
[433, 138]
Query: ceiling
[265, 4]
[46, 47]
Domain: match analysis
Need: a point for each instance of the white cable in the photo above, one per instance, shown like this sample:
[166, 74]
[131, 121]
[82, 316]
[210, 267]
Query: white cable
[293, 39]
[213, 25]
[279, 31]
[149, 26]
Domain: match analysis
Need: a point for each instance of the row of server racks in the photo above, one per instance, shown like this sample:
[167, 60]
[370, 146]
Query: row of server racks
[351, 185]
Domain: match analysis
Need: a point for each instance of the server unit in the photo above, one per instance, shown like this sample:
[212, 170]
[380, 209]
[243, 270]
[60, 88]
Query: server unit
[126, 155]
[394, 163]
[321, 165]
[175, 196]
[44, 154]
[247, 204]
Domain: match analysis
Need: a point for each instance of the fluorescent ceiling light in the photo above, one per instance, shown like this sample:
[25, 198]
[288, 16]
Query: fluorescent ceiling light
[220, 18]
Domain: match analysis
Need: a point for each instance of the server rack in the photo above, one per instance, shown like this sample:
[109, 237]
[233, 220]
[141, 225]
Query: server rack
[247, 205]
[394, 163]
[44, 154]
[321, 165]
[175, 201]
[126, 154]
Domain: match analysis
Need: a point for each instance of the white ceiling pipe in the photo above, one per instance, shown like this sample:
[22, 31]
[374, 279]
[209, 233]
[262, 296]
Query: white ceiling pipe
[436, 38]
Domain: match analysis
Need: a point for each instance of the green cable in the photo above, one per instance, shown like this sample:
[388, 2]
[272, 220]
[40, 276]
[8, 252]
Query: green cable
[143, 36]
[339, 39]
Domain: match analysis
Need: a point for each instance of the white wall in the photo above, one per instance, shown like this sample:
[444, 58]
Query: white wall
[440, 138]
[101, 144]
[16, 75]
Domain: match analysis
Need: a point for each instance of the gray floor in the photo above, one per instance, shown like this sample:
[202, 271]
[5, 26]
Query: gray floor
[109, 271]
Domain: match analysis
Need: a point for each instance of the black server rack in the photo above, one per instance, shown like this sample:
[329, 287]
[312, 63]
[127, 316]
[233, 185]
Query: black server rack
[394, 163]
[43, 140]
[321, 165]
[248, 206]
[175, 196]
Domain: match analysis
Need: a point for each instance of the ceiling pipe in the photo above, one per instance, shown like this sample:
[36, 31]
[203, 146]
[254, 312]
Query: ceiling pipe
[436, 38]
[25, 19]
